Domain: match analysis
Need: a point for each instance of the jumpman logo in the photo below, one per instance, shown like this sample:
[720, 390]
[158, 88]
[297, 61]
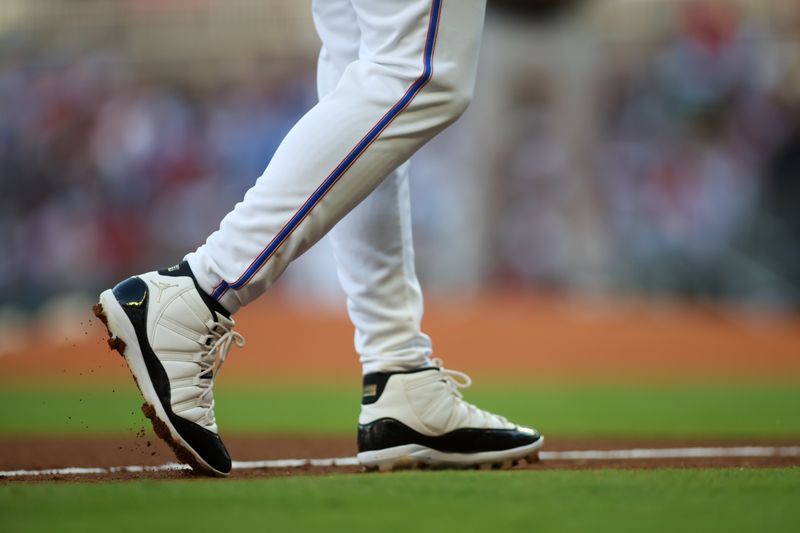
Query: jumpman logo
[161, 288]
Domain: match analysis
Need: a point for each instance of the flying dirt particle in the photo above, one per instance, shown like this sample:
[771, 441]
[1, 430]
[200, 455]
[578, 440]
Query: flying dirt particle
[152, 454]
[148, 444]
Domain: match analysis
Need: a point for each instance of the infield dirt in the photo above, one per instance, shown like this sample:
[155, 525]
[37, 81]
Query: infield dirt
[37, 453]
[495, 336]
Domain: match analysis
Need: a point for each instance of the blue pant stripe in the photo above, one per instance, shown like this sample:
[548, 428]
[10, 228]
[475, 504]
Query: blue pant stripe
[351, 158]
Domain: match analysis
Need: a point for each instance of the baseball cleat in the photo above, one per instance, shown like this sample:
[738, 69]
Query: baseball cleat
[419, 419]
[174, 339]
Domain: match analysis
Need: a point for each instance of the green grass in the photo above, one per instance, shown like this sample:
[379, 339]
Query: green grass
[552, 501]
[714, 411]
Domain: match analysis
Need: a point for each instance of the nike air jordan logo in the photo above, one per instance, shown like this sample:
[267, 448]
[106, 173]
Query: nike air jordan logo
[161, 286]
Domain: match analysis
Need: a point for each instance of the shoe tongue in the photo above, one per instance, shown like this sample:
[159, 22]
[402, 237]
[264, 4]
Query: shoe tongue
[213, 305]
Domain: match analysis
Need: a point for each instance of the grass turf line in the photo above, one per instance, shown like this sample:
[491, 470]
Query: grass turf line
[554, 501]
[677, 411]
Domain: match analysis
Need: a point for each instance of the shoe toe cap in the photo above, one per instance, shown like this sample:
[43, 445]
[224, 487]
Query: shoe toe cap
[206, 444]
[531, 433]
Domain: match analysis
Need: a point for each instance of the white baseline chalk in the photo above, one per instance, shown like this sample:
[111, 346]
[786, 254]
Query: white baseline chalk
[671, 453]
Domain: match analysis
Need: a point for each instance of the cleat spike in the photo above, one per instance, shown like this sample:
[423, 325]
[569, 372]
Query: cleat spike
[403, 463]
[533, 457]
[485, 466]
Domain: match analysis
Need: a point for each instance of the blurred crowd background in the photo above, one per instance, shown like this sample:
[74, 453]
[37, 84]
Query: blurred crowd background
[640, 148]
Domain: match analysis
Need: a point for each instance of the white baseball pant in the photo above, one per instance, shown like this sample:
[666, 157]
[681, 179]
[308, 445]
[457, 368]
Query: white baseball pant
[392, 74]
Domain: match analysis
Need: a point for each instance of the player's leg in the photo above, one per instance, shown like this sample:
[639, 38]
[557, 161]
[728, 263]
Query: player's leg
[372, 244]
[414, 76]
[375, 260]
[412, 412]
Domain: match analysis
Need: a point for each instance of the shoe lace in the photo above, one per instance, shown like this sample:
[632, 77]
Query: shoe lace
[220, 340]
[456, 380]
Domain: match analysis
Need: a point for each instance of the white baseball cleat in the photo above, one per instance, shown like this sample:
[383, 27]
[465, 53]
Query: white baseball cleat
[419, 419]
[174, 343]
